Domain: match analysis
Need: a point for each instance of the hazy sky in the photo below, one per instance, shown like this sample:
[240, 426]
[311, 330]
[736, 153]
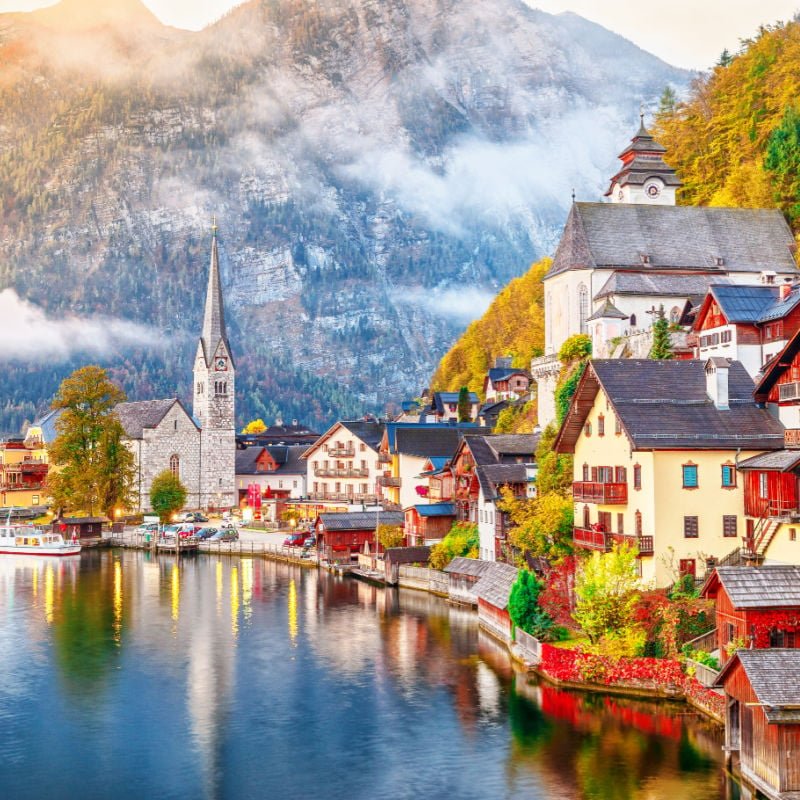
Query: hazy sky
[688, 33]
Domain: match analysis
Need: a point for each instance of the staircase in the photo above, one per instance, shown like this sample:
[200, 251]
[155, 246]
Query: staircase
[764, 532]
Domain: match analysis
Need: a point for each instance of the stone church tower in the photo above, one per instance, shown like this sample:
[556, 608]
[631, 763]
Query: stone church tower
[214, 397]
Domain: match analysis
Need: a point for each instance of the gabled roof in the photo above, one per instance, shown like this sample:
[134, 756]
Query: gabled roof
[461, 565]
[657, 284]
[780, 461]
[504, 373]
[514, 444]
[135, 417]
[247, 460]
[738, 304]
[47, 423]
[431, 440]
[607, 311]
[618, 235]
[494, 586]
[764, 587]
[288, 458]
[774, 675]
[361, 520]
[436, 510]
[369, 431]
[663, 405]
[441, 399]
[773, 370]
[780, 308]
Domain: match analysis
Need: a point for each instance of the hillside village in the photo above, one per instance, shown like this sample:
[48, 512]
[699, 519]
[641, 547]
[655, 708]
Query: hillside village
[668, 403]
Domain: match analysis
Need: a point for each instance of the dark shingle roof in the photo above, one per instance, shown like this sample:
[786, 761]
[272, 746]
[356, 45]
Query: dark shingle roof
[781, 308]
[514, 444]
[767, 586]
[430, 440]
[369, 431]
[663, 405]
[607, 311]
[440, 399]
[287, 457]
[361, 520]
[657, 284]
[774, 675]
[503, 373]
[468, 566]
[617, 235]
[408, 555]
[743, 303]
[135, 417]
[246, 460]
[48, 424]
[780, 460]
[436, 510]
[494, 586]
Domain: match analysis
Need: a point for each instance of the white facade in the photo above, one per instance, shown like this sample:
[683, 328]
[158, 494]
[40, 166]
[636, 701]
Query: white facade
[486, 526]
[653, 192]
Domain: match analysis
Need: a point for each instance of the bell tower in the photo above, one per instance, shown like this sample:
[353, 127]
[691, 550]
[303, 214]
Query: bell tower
[645, 177]
[214, 406]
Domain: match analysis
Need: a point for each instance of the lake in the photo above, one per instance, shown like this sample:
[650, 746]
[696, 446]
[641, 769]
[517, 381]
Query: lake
[128, 675]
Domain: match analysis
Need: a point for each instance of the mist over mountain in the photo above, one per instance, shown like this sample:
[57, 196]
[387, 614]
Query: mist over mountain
[378, 169]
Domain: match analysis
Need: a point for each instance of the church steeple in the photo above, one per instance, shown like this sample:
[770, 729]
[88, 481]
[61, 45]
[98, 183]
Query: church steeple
[644, 177]
[214, 317]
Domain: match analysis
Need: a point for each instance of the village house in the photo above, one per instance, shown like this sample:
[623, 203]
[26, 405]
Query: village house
[342, 536]
[268, 476]
[429, 520]
[493, 591]
[762, 719]
[629, 257]
[295, 433]
[756, 607]
[23, 471]
[342, 466]
[505, 382]
[444, 408]
[481, 467]
[656, 446]
[751, 324]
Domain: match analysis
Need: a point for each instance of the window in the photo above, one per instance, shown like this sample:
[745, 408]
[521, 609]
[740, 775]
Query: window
[637, 520]
[675, 315]
[587, 428]
[633, 320]
[729, 525]
[362, 447]
[777, 638]
[587, 517]
[690, 528]
[621, 475]
[35, 500]
[620, 523]
[220, 388]
[583, 307]
[175, 425]
[617, 426]
[637, 476]
[726, 337]
[763, 488]
[200, 388]
[294, 484]
[175, 465]
[728, 476]
[605, 474]
[601, 425]
[280, 484]
[690, 476]
[792, 534]
[585, 473]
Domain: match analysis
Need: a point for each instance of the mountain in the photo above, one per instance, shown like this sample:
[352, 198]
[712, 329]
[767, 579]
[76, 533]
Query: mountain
[378, 169]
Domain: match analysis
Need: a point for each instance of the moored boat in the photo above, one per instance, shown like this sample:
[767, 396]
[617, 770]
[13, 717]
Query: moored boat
[29, 540]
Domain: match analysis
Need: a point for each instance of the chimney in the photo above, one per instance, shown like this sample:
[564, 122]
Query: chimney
[786, 288]
[717, 382]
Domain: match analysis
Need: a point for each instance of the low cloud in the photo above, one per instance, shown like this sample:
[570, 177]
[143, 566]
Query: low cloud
[28, 333]
[457, 305]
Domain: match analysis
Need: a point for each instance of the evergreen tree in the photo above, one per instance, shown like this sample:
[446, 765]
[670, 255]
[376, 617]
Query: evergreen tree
[167, 495]
[90, 467]
[668, 102]
[725, 58]
[662, 345]
[464, 405]
[524, 608]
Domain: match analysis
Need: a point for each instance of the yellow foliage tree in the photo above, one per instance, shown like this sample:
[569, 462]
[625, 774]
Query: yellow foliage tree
[255, 426]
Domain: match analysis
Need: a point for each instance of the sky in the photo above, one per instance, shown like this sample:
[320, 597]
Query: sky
[686, 33]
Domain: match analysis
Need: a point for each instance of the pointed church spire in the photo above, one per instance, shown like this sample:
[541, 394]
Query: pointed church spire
[214, 316]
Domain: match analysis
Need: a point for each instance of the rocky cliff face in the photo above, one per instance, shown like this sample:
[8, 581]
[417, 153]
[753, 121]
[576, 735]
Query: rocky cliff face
[379, 168]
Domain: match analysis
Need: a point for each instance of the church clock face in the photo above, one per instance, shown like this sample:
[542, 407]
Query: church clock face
[653, 190]
[221, 364]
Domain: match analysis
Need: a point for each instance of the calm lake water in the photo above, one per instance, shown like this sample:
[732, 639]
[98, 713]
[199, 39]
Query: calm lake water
[130, 676]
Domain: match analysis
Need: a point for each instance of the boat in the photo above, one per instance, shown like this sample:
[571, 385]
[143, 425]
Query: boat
[29, 540]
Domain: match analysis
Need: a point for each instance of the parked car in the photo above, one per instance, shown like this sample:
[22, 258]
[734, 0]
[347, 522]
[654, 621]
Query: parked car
[228, 535]
[296, 539]
[147, 527]
[195, 516]
[188, 530]
[170, 531]
[206, 533]
[310, 542]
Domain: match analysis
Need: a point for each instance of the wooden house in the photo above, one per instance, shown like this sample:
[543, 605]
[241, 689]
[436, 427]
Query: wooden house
[80, 527]
[348, 533]
[756, 606]
[429, 522]
[762, 719]
[395, 557]
[463, 574]
[493, 591]
[504, 382]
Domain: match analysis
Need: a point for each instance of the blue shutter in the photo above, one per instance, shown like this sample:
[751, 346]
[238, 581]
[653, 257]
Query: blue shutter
[690, 476]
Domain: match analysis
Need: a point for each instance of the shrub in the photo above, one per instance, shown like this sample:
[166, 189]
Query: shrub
[524, 608]
[461, 540]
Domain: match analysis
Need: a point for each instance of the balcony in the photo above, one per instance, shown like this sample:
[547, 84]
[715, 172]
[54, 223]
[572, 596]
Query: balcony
[384, 458]
[340, 497]
[342, 451]
[602, 541]
[349, 472]
[604, 493]
[389, 481]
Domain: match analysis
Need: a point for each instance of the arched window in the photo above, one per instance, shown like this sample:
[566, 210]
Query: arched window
[220, 388]
[583, 307]
[675, 315]
[633, 320]
[175, 465]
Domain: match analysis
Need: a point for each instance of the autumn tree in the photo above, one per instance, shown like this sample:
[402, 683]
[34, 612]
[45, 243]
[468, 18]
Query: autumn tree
[167, 495]
[255, 426]
[391, 536]
[524, 608]
[91, 468]
[606, 590]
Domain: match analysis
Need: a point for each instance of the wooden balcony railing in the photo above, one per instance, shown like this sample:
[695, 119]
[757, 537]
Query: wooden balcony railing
[389, 480]
[343, 497]
[349, 472]
[342, 452]
[600, 540]
[604, 493]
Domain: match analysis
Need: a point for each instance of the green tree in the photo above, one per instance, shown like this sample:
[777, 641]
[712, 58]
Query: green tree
[725, 58]
[782, 159]
[167, 495]
[464, 406]
[668, 102]
[577, 348]
[606, 591]
[662, 344]
[462, 540]
[91, 469]
[391, 536]
[566, 389]
[524, 608]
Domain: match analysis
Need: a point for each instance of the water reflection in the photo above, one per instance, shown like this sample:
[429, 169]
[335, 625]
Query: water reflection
[216, 678]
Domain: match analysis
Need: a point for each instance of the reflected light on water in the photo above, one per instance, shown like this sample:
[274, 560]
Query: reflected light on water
[247, 588]
[234, 602]
[117, 601]
[219, 587]
[35, 583]
[292, 605]
[176, 592]
[49, 593]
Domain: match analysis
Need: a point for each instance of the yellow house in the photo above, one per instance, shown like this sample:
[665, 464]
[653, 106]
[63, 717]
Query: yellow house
[23, 470]
[656, 446]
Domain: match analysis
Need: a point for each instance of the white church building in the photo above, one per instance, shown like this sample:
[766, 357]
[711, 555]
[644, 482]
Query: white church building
[618, 262]
[198, 447]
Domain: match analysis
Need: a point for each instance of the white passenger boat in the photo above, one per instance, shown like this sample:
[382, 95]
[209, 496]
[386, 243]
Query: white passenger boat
[30, 541]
